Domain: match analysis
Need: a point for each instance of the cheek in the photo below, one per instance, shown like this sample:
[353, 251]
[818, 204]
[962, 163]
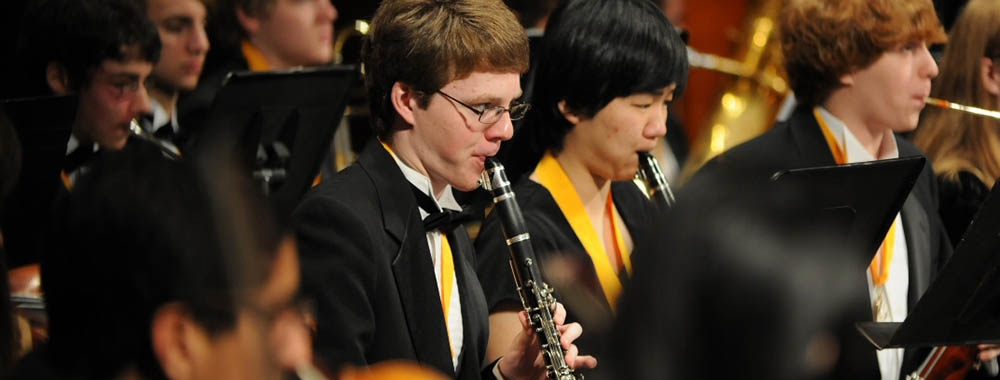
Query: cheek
[622, 129]
[104, 106]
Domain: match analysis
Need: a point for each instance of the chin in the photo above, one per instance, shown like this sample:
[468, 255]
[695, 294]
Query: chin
[114, 145]
[467, 186]
[189, 84]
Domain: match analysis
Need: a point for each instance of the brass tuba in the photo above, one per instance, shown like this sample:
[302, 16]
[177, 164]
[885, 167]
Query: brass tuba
[750, 102]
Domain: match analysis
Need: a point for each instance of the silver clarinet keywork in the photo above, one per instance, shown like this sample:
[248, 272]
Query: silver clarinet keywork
[656, 183]
[536, 295]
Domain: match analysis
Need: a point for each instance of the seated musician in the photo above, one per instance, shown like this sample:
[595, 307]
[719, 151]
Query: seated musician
[443, 79]
[965, 148]
[100, 51]
[259, 35]
[860, 71]
[161, 271]
[181, 27]
[606, 74]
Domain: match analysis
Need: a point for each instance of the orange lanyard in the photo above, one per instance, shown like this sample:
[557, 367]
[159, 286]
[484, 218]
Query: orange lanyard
[551, 175]
[879, 267]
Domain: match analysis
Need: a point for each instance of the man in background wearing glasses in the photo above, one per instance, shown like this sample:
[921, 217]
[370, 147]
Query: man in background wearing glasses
[389, 281]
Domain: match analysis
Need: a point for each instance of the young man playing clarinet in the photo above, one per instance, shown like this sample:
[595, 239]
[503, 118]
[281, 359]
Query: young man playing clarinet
[443, 82]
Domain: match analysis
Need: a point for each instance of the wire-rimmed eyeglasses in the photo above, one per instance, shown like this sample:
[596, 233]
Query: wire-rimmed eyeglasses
[491, 114]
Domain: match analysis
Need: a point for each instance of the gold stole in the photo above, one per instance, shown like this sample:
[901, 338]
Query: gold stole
[879, 267]
[551, 175]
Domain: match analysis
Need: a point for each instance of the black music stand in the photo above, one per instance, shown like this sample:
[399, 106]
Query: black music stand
[859, 201]
[43, 126]
[279, 125]
[962, 306]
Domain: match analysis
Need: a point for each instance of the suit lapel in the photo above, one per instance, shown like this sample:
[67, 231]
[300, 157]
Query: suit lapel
[812, 147]
[412, 266]
[474, 309]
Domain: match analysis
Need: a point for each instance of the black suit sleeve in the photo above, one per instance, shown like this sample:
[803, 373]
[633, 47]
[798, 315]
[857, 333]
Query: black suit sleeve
[338, 272]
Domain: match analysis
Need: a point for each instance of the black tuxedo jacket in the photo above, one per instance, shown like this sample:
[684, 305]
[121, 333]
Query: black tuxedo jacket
[799, 143]
[365, 260]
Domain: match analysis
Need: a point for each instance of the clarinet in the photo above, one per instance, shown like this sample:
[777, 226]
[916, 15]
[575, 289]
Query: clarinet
[168, 151]
[536, 295]
[659, 190]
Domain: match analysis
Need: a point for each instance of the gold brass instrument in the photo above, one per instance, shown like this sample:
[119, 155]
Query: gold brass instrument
[341, 149]
[964, 108]
[749, 104]
[358, 29]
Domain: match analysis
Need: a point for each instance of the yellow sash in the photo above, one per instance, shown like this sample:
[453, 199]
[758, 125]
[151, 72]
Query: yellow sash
[447, 279]
[551, 175]
[255, 59]
[879, 267]
[67, 183]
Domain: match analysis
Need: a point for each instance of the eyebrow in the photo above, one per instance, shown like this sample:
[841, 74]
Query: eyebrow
[484, 99]
[124, 75]
[186, 19]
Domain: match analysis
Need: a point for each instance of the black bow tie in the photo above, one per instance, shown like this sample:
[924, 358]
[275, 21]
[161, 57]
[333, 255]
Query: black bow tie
[79, 157]
[441, 220]
[165, 133]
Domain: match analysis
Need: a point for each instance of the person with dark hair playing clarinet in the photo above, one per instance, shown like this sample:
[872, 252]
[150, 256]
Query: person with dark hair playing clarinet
[607, 72]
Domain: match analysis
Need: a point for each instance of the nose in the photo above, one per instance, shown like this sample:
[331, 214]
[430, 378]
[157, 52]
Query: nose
[656, 126]
[292, 342]
[327, 11]
[502, 130]
[929, 65]
[140, 103]
[198, 41]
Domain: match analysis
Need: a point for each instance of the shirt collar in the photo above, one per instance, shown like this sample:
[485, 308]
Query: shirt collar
[160, 118]
[422, 183]
[855, 151]
[73, 143]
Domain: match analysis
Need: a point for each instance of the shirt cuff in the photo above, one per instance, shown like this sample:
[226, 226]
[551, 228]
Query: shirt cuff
[496, 370]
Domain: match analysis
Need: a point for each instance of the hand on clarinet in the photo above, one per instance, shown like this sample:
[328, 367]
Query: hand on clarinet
[524, 361]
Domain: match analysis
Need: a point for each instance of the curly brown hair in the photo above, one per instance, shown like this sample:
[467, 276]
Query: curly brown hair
[822, 40]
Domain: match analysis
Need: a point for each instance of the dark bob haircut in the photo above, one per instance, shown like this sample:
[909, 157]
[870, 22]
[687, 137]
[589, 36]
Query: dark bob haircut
[595, 51]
